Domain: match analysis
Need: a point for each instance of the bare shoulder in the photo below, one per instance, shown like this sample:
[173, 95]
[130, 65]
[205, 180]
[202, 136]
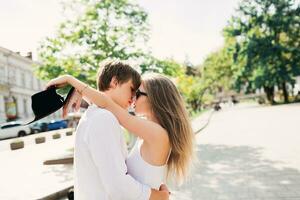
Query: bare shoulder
[157, 150]
[160, 136]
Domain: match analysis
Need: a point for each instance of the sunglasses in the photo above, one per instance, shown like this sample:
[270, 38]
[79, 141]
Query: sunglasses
[140, 93]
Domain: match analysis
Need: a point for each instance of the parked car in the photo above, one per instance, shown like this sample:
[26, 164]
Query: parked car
[39, 127]
[13, 129]
[57, 124]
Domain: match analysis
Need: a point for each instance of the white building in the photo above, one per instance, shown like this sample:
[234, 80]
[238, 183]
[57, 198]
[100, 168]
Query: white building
[17, 83]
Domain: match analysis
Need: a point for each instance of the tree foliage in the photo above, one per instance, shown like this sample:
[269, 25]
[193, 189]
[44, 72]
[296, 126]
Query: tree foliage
[217, 71]
[115, 29]
[267, 53]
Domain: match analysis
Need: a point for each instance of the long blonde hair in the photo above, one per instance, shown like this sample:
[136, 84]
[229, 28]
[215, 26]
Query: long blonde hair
[169, 109]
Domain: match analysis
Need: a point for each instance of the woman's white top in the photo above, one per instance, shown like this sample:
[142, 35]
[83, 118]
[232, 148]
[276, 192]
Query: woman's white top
[142, 171]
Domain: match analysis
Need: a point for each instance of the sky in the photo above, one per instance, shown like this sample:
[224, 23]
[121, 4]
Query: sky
[185, 30]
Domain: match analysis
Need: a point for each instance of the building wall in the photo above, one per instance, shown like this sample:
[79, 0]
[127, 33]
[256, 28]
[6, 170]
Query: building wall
[17, 80]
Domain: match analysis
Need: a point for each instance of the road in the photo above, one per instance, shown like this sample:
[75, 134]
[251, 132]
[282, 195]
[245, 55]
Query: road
[247, 153]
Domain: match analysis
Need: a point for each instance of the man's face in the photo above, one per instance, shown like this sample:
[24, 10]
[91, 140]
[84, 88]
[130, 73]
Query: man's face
[123, 94]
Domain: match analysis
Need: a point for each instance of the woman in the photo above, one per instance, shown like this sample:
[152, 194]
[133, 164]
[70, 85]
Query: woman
[166, 139]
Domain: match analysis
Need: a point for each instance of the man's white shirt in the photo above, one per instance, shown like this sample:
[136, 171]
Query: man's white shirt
[99, 160]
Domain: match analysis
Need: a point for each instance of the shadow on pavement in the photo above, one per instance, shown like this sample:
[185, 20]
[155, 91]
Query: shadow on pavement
[64, 172]
[237, 173]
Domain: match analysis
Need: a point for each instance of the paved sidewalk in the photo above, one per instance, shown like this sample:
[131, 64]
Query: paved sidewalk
[247, 153]
[23, 175]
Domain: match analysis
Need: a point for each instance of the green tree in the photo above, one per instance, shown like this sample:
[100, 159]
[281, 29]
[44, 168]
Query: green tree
[267, 34]
[217, 71]
[191, 89]
[115, 29]
[168, 67]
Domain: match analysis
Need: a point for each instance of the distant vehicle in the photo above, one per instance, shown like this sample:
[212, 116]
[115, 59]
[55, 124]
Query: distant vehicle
[13, 129]
[39, 127]
[57, 124]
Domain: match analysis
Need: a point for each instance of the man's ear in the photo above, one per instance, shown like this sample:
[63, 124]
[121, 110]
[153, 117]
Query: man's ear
[113, 83]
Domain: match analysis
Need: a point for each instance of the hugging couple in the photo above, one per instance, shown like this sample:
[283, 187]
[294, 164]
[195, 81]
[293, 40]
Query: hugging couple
[103, 169]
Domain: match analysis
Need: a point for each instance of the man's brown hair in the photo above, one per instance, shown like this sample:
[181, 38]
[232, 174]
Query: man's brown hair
[120, 70]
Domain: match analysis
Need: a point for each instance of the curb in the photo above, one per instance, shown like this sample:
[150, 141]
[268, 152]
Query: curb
[68, 160]
[37, 139]
[206, 124]
[59, 194]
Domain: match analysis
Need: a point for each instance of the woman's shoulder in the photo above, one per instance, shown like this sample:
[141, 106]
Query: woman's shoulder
[160, 137]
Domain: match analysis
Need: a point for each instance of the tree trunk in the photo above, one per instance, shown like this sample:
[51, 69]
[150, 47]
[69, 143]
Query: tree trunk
[285, 92]
[270, 94]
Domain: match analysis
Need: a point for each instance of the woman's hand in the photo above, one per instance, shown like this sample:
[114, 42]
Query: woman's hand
[164, 188]
[162, 194]
[59, 81]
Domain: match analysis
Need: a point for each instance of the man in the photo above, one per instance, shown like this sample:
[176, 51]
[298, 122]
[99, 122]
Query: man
[100, 149]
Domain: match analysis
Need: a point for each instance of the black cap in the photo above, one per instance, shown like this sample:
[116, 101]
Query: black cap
[47, 102]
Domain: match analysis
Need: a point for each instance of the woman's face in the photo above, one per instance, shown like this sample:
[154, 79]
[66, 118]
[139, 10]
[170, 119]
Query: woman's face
[142, 105]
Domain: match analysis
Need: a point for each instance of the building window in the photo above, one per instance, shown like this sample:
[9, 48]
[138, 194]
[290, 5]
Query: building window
[12, 76]
[2, 73]
[23, 81]
[25, 107]
[31, 82]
